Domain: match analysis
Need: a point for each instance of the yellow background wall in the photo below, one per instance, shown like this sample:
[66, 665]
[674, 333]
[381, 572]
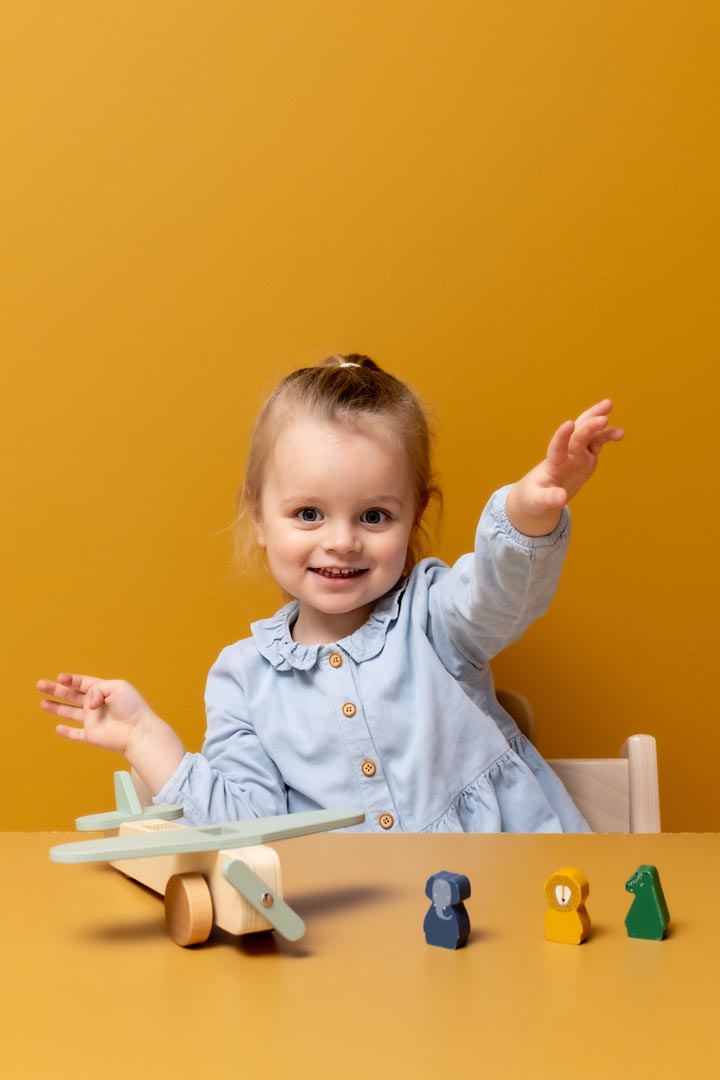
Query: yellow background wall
[512, 205]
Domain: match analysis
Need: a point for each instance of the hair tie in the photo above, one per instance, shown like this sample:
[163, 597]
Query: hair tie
[349, 363]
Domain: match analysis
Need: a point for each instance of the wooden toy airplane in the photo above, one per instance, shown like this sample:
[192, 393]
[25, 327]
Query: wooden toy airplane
[211, 874]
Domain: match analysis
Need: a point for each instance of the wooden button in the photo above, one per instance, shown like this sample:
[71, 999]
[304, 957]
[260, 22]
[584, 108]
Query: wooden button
[349, 709]
[335, 659]
[386, 821]
[369, 768]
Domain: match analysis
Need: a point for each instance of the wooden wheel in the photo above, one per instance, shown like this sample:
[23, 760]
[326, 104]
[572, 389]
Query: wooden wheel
[188, 909]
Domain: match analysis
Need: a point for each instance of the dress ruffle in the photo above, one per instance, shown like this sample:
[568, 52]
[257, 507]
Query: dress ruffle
[505, 799]
[274, 641]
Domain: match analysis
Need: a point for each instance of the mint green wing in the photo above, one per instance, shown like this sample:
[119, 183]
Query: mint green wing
[127, 808]
[184, 840]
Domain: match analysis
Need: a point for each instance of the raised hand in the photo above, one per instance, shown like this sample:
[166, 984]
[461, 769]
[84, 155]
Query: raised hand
[104, 712]
[111, 714]
[533, 505]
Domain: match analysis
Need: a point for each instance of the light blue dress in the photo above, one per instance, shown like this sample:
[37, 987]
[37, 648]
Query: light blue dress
[398, 720]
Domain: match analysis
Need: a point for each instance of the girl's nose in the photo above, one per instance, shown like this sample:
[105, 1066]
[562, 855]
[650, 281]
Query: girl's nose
[340, 536]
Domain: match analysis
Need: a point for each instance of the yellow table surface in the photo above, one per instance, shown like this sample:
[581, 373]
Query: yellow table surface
[93, 987]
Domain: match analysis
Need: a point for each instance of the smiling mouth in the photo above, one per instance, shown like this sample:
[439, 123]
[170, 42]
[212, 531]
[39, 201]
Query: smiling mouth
[334, 572]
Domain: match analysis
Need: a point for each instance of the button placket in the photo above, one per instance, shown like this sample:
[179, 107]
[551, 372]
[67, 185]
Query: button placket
[378, 802]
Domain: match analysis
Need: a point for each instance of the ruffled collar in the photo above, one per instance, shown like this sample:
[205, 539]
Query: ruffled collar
[274, 639]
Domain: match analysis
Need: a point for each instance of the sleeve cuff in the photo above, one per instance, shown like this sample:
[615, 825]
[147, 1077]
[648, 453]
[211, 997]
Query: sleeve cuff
[498, 514]
[171, 792]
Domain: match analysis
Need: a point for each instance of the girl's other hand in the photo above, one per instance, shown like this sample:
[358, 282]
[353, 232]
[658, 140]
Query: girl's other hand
[105, 713]
[534, 504]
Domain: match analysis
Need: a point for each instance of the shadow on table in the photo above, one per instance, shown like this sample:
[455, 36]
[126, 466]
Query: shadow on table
[310, 906]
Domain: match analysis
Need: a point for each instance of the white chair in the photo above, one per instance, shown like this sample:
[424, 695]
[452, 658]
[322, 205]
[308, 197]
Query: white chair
[613, 794]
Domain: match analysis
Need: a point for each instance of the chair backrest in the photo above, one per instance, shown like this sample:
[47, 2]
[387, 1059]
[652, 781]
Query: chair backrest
[613, 794]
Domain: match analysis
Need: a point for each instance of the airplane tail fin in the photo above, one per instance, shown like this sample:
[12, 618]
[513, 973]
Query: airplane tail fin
[126, 797]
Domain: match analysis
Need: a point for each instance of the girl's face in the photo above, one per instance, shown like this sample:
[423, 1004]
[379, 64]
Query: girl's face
[335, 517]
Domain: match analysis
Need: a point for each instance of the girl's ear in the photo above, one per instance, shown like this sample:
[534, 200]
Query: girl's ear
[256, 519]
[422, 507]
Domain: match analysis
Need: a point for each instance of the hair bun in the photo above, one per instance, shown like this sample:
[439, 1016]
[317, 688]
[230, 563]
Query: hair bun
[351, 360]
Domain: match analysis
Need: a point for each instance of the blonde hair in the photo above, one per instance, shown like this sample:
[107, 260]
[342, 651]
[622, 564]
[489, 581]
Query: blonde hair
[345, 389]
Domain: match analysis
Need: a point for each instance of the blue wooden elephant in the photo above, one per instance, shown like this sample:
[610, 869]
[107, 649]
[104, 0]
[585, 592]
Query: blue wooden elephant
[447, 923]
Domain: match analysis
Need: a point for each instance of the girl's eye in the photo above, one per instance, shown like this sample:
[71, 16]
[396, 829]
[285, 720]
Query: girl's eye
[309, 514]
[374, 517]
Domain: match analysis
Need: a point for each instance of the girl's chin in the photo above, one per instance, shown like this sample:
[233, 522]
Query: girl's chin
[319, 623]
[328, 607]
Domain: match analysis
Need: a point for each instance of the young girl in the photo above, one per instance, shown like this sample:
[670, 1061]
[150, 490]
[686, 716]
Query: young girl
[372, 687]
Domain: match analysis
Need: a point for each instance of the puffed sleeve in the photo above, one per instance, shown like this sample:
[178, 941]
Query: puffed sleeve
[233, 778]
[488, 598]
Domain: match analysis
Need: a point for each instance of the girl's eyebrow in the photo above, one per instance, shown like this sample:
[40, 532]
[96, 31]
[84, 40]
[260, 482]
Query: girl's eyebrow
[299, 500]
[312, 500]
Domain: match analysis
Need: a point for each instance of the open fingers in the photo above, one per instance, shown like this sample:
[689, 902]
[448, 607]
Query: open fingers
[68, 712]
[608, 435]
[585, 431]
[76, 734]
[79, 683]
[58, 690]
[600, 408]
[70, 688]
[559, 444]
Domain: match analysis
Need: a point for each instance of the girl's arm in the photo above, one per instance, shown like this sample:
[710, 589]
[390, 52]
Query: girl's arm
[488, 599]
[534, 504]
[112, 714]
[234, 777]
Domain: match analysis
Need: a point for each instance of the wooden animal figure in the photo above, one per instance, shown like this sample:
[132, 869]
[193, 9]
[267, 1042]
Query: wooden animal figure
[648, 916]
[447, 923]
[566, 919]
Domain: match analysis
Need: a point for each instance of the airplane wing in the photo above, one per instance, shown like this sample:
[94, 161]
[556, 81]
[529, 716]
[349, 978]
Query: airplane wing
[127, 808]
[113, 819]
[206, 838]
